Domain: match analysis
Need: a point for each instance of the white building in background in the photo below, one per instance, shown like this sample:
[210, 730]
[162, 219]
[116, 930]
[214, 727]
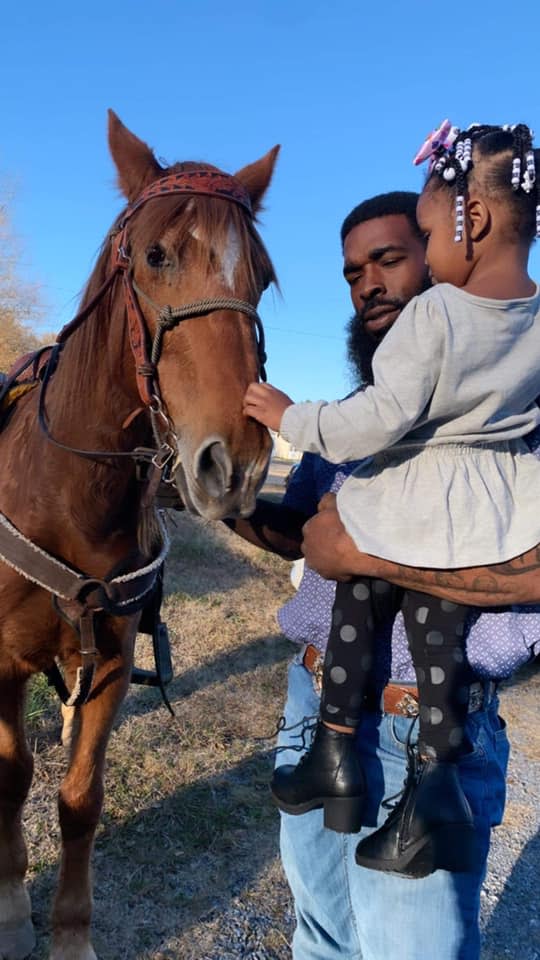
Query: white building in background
[283, 449]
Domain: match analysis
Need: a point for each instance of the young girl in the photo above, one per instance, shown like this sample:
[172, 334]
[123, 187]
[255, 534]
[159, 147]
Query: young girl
[447, 482]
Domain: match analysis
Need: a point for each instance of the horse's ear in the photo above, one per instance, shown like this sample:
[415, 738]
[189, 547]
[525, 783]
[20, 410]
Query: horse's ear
[256, 176]
[134, 160]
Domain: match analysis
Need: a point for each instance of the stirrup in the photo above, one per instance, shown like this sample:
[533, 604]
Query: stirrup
[152, 624]
[163, 672]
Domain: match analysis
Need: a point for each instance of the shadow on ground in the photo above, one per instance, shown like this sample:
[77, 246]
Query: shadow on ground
[148, 892]
[508, 914]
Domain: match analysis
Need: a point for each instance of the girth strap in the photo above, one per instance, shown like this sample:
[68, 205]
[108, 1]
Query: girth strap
[79, 597]
[85, 673]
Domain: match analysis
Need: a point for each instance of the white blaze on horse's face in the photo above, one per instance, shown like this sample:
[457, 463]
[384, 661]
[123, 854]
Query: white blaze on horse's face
[229, 257]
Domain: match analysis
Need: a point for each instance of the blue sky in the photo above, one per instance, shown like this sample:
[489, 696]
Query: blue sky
[349, 89]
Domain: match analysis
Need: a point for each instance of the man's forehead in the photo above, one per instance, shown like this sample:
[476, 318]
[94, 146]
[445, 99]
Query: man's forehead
[371, 236]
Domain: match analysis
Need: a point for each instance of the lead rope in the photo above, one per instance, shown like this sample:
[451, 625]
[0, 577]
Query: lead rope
[169, 317]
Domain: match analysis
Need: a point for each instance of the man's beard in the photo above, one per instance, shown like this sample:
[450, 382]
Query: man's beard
[360, 349]
[361, 345]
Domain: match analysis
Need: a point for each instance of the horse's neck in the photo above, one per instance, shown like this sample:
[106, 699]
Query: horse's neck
[90, 405]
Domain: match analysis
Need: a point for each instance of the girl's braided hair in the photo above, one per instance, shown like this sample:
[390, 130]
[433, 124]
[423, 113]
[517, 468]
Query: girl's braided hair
[504, 163]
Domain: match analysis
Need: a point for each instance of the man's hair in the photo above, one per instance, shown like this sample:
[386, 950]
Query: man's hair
[398, 203]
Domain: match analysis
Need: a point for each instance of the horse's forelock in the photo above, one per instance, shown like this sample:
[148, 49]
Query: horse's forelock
[208, 220]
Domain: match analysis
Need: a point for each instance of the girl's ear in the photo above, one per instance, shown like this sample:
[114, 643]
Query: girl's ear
[479, 216]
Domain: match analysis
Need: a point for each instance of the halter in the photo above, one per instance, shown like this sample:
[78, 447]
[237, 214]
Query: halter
[192, 182]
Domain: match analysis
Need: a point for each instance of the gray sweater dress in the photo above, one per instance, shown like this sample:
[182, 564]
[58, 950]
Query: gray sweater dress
[447, 480]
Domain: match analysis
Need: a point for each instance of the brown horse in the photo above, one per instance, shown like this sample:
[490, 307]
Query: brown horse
[182, 269]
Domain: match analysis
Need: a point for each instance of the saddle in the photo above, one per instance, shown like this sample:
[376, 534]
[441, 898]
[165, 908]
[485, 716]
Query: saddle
[25, 375]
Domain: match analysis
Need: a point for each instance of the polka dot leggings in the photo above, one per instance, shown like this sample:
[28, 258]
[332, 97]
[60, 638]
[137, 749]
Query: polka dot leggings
[435, 633]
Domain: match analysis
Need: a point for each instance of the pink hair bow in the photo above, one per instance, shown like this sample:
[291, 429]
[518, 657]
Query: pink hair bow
[444, 136]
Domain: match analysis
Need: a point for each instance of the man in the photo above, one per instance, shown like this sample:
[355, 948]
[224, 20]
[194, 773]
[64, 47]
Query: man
[345, 911]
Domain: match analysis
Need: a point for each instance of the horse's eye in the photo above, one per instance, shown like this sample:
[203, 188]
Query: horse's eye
[155, 256]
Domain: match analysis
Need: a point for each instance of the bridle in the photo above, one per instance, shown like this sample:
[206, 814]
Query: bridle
[77, 597]
[193, 182]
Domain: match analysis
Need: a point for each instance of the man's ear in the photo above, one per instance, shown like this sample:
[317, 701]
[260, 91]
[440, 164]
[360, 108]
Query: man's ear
[479, 216]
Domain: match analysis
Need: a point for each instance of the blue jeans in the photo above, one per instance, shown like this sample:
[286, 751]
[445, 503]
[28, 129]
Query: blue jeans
[351, 913]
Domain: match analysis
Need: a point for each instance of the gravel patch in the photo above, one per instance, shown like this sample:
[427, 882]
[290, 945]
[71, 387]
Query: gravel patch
[510, 903]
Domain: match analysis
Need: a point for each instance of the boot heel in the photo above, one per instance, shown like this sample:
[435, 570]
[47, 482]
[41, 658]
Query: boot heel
[343, 814]
[456, 848]
[453, 847]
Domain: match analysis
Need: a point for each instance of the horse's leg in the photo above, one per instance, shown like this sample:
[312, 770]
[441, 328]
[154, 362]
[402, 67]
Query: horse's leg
[80, 801]
[16, 765]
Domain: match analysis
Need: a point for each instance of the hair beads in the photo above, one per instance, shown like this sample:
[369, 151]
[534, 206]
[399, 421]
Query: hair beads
[460, 218]
[516, 173]
[529, 177]
[449, 151]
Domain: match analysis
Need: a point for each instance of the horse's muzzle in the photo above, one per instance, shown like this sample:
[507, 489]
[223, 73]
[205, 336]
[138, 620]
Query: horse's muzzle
[214, 486]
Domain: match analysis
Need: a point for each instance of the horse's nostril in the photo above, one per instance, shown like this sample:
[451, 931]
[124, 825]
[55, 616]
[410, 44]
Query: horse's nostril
[213, 469]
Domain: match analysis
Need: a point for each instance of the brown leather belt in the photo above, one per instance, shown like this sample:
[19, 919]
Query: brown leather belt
[397, 698]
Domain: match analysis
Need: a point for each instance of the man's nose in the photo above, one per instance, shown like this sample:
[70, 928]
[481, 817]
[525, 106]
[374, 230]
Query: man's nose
[372, 284]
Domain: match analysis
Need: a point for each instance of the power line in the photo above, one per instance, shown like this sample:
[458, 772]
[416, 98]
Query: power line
[303, 333]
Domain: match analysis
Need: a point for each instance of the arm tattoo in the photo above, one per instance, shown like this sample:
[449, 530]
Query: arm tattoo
[522, 564]
[515, 581]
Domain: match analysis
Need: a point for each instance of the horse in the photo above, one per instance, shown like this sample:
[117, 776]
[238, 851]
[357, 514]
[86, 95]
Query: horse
[144, 385]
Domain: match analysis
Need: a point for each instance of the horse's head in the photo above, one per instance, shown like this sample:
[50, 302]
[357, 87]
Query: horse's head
[184, 249]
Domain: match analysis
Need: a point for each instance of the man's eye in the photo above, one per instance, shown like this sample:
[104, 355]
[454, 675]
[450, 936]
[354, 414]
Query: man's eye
[391, 262]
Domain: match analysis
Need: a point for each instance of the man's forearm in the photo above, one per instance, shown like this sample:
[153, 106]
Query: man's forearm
[328, 549]
[272, 527]
[514, 582]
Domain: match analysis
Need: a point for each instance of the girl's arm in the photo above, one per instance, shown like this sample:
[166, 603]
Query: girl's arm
[406, 368]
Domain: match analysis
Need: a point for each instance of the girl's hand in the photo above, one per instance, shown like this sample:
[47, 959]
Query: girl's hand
[266, 404]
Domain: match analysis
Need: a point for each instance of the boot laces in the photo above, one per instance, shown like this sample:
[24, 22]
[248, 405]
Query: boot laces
[307, 725]
[414, 769]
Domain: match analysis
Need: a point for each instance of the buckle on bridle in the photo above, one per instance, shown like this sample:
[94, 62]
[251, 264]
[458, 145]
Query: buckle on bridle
[163, 456]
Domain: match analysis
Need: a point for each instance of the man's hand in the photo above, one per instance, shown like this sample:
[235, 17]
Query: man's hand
[266, 404]
[327, 547]
[327, 502]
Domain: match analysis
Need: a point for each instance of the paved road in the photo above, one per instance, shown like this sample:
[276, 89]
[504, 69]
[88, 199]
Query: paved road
[277, 475]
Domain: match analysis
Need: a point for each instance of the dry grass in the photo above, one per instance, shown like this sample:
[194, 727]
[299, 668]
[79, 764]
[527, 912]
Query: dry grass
[188, 830]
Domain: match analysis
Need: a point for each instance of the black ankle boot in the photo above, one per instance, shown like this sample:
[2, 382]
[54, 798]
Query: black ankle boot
[329, 775]
[431, 828]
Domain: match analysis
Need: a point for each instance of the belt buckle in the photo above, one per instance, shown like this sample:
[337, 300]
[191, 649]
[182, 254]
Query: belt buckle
[480, 695]
[408, 706]
[316, 671]
[317, 675]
